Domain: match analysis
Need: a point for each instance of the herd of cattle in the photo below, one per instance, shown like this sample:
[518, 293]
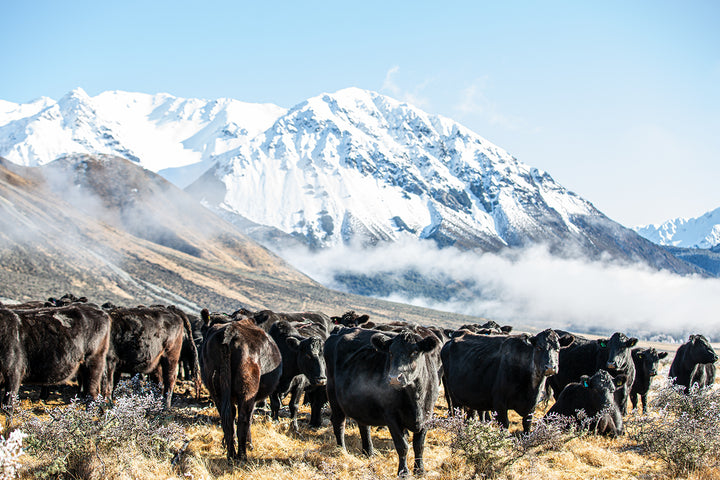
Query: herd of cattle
[379, 374]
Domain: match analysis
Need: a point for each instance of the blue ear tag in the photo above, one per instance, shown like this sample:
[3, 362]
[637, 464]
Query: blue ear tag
[585, 384]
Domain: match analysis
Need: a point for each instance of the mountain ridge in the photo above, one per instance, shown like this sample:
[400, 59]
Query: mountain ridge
[348, 167]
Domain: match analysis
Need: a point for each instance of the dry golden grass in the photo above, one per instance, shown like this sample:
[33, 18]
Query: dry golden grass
[280, 454]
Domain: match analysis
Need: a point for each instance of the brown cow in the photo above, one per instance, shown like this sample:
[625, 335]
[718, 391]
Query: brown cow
[148, 340]
[240, 365]
[48, 346]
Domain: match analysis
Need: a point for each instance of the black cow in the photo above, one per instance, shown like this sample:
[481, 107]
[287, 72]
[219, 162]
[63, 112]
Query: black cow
[148, 340]
[350, 319]
[240, 365]
[383, 379]
[66, 300]
[488, 328]
[595, 396]
[49, 346]
[266, 318]
[694, 362]
[646, 362]
[585, 357]
[501, 373]
[303, 366]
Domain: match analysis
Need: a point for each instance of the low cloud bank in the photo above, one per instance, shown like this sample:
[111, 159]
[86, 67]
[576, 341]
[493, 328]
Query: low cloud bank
[532, 287]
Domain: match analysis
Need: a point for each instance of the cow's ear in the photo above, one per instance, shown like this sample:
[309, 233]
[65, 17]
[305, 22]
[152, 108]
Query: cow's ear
[293, 343]
[381, 342]
[620, 380]
[335, 320]
[205, 315]
[602, 342]
[449, 332]
[566, 340]
[585, 381]
[662, 354]
[362, 319]
[428, 344]
[631, 342]
[506, 328]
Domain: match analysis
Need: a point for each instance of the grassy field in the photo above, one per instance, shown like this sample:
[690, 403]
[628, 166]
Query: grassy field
[281, 453]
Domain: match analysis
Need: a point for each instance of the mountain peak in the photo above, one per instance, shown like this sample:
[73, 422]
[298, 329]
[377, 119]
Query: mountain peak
[699, 232]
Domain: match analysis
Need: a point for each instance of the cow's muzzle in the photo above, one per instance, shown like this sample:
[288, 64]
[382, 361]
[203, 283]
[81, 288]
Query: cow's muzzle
[397, 380]
[319, 382]
[550, 371]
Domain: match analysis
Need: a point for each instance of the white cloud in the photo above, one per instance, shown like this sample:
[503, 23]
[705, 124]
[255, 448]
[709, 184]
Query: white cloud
[474, 102]
[533, 288]
[412, 96]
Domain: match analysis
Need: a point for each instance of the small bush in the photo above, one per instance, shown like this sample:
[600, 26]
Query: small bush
[549, 433]
[686, 433]
[486, 446]
[74, 439]
[10, 452]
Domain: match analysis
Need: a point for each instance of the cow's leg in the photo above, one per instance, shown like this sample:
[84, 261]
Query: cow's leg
[367, 445]
[634, 400]
[91, 375]
[337, 418]
[245, 410]
[317, 400]
[169, 368]
[294, 405]
[227, 419]
[419, 448]
[275, 405]
[502, 417]
[527, 422]
[401, 446]
[448, 397]
[643, 397]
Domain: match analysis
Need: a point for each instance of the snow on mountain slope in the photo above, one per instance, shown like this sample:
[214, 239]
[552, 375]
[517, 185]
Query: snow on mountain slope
[356, 165]
[160, 132]
[699, 232]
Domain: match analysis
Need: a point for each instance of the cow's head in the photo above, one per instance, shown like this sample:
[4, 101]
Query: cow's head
[602, 388]
[403, 353]
[310, 359]
[350, 319]
[647, 360]
[618, 351]
[546, 348]
[700, 350]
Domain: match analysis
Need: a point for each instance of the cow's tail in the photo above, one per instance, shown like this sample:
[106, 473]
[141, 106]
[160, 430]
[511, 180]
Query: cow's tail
[193, 348]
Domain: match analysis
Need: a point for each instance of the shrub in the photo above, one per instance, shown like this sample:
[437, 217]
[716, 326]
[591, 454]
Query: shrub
[549, 433]
[686, 433]
[10, 452]
[74, 438]
[486, 446]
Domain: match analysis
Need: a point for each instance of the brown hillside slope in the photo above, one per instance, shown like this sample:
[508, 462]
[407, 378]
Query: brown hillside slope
[105, 228]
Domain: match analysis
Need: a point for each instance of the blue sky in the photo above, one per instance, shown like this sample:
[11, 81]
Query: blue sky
[619, 101]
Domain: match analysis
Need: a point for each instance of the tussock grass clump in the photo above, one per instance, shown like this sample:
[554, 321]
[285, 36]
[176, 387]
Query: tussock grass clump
[95, 439]
[685, 432]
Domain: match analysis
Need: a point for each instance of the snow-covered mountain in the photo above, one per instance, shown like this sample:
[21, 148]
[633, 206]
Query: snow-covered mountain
[359, 166]
[699, 232]
[177, 137]
[352, 166]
